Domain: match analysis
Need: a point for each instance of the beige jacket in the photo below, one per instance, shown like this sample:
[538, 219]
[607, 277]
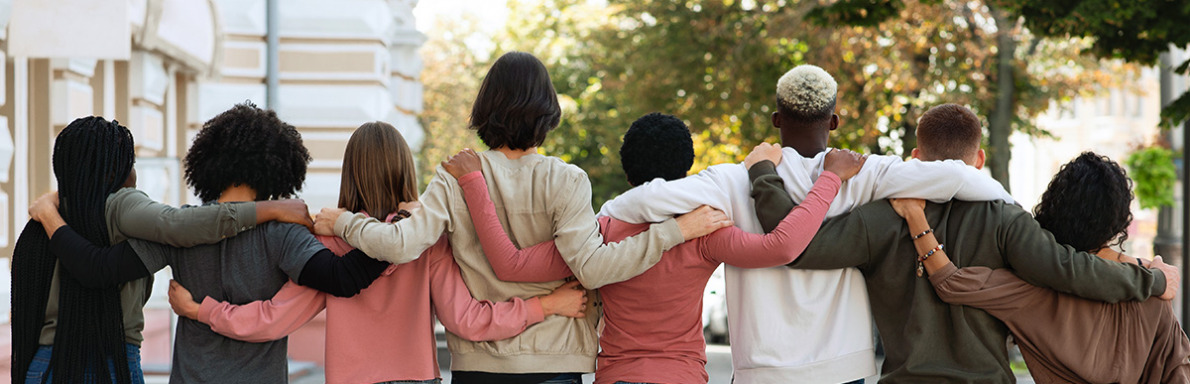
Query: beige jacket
[537, 198]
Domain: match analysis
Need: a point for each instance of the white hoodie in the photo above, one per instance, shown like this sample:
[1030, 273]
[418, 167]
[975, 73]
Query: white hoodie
[791, 325]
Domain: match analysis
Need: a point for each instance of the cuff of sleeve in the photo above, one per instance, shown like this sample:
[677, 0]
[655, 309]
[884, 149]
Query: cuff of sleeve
[941, 275]
[832, 177]
[244, 216]
[343, 221]
[470, 177]
[1158, 282]
[671, 234]
[206, 310]
[536, 312]
[765, 167]
[58, 239]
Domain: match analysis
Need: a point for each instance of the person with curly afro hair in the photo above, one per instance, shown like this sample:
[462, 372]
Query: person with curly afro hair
[247, 146]
[1065, 338]
[242, 155]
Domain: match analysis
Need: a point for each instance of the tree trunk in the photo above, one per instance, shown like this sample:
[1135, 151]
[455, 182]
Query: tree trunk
[1000, 118]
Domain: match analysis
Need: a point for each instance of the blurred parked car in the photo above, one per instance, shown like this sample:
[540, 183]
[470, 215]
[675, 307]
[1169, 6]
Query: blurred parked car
[714, 309]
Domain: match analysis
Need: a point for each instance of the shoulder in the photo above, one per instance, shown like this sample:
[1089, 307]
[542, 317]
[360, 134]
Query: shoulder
[125, 196]
[560, 169]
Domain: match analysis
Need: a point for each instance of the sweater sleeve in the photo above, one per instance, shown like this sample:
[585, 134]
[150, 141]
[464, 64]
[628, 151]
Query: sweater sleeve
[133, 214]
[998, 292]
[263, 320]
[937, 181]
[405, 240]
[784, 244]
[841, 241]
[94, 266]
[594, 263]
[659, 199]
[1037, 258]
[472, 319]
[538, 263]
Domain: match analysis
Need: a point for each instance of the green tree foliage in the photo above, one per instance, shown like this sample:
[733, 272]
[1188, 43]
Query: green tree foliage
[1155, 175]
[451, 79]
[715, 64]
[1135, 31]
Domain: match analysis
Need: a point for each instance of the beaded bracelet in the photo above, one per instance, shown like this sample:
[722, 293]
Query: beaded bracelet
[923, 233]
[921, 268]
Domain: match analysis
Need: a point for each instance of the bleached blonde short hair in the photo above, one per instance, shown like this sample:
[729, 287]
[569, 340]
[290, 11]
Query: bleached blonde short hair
[808, 92]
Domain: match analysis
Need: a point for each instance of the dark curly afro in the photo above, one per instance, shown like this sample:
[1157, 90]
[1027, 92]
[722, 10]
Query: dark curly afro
[1087, 204]
[246, 145]
[656, 145]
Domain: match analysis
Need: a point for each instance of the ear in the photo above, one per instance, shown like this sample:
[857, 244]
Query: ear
[834, 121]
[776, 120]
[980, 157]
[916, 154]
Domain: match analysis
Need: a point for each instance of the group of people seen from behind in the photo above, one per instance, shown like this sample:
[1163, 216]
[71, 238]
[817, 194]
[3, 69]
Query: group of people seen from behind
[503, 248]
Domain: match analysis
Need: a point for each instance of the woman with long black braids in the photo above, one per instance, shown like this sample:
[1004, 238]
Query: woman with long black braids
[88, 333]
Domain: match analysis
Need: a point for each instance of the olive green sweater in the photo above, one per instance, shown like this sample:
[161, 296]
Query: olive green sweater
[925, 339]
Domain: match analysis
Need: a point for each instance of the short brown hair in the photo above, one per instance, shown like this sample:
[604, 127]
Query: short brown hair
[378, 171]
[516, 105]
[948, 132]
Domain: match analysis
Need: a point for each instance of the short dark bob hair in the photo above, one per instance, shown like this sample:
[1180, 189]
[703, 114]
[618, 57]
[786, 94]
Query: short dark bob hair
[1087, 204]
[246, 145]
[516, 105]
[656, 145]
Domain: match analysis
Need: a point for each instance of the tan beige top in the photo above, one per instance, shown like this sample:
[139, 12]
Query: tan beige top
[131, 213]
[1064, 338]
[537, 198]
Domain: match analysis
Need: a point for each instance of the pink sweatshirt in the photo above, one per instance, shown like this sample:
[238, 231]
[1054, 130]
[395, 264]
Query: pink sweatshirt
[653, 322]
[385, 332]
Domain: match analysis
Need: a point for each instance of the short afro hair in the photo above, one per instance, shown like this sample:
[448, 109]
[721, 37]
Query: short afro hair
[1087, 204]
[948, 132]
[516, 105]
[656, 145]
[246, 145]
[807, 93]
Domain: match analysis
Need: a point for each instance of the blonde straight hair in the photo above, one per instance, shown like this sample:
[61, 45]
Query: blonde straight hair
[378, 171]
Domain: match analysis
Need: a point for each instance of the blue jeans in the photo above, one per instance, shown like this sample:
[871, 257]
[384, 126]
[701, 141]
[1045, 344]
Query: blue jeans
[39, 368]
[565, 378]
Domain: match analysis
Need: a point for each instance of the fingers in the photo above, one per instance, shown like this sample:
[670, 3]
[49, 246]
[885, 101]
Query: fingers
[574, 284]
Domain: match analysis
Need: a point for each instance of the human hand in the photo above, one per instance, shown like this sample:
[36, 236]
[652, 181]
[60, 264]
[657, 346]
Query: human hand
[702, 221]
[324, 223]
[568, 300]
[762, 152]
[908, 207]
[44, 207]
[1173, 278]
[462, 163]
[844, 163]
[285, 211]
[181, 301]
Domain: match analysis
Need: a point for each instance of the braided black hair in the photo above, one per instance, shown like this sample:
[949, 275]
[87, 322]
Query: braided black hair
[246, 145]
[1087, 204]
[92, 159]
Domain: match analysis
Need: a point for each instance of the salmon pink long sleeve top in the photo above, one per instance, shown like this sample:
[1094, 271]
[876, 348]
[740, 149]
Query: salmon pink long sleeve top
[384, 333]
[653, 322]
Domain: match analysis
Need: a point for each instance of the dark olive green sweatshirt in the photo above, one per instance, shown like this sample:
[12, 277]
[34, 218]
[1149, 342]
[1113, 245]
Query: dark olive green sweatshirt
[926, 340]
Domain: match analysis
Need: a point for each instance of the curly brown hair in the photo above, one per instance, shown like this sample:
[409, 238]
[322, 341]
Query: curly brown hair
[1087, 204]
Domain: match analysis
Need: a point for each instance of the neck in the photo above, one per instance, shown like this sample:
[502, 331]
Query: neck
[1108, 254]
[237, 193]
[805, 145]
[513, 154]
